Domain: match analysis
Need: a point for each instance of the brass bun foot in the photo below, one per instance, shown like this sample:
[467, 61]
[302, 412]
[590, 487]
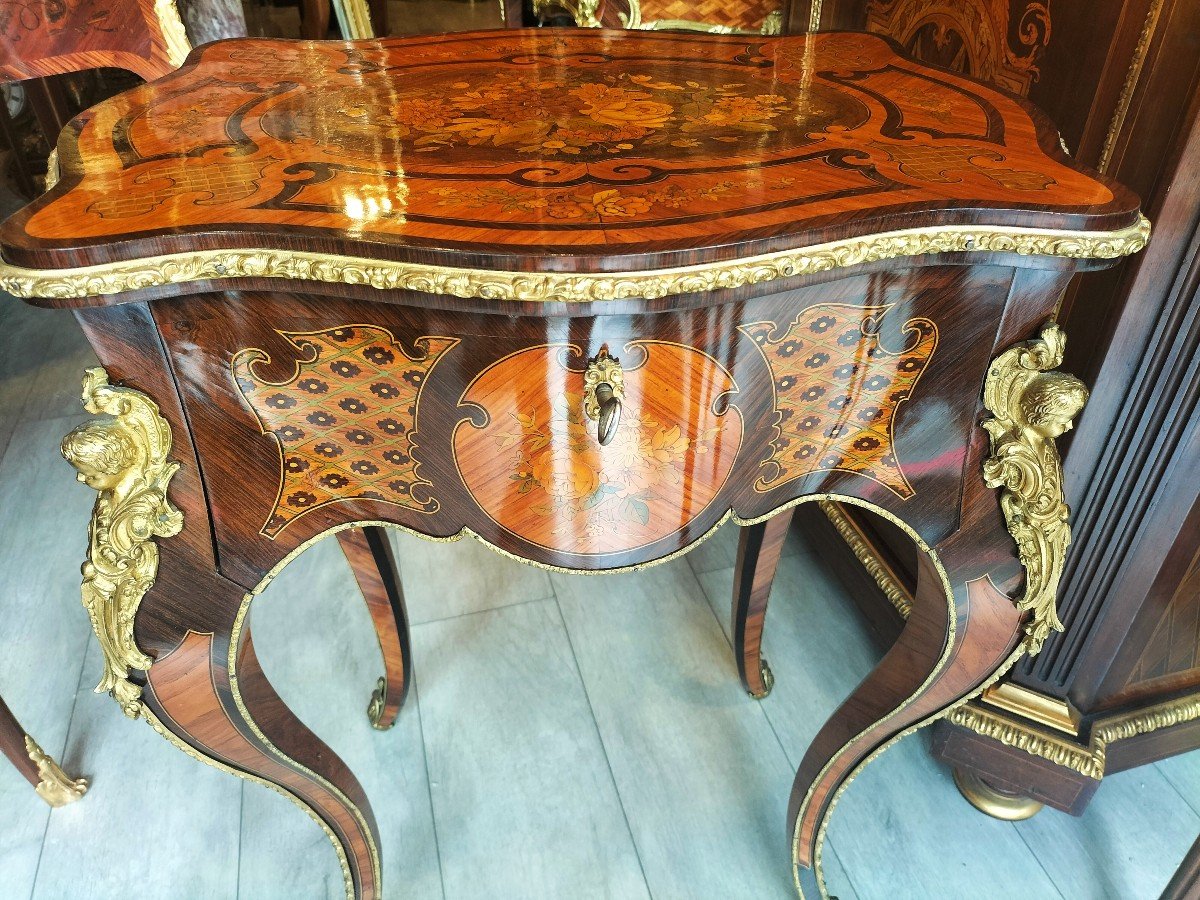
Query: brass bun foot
[375, 708]
[993, 801]
[768, 680]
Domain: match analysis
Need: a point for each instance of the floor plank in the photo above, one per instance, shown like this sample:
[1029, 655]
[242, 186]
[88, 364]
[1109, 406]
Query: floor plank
[24, 342]
[57, 387]
[314, 637]
[522, 794]
[903, 830]
[1183, 773]
[1134, 833]
[45, 629]
[698, 768]
[812, 638]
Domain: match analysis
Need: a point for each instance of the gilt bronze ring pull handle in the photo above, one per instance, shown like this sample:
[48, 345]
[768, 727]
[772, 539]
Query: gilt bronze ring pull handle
[603, 391]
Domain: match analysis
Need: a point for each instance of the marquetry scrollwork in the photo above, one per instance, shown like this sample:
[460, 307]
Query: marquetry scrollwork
[1031, 406]
[125, 459]
[54, 785]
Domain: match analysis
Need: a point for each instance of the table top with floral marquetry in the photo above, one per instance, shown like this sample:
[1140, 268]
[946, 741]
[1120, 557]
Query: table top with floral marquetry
[557, 150]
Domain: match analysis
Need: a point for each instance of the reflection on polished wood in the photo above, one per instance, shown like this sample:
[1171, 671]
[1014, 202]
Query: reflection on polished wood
[725, 215]
[566, 153]
[142, 36]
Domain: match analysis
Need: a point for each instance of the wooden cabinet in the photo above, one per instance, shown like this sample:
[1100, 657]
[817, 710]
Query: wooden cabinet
[1121, 685]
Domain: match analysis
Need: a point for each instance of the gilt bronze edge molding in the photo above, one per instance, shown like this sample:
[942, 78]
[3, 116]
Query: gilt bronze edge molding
[563, 287]
[124, 459]
[814, 15]
[54, 786]
[947, 652]
[1033, 705]
[354, 18]
[1132, 75]
[879, 751]
[160, 728]
[235, 643]
[1087, 759]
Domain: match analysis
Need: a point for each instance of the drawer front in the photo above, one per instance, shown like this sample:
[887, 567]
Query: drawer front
[532, 460]
[311, 413]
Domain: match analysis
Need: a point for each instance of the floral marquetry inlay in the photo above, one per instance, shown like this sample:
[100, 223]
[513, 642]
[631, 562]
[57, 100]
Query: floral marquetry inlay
[344, 419]
[837, 389]
[586, 115]
[536, 467]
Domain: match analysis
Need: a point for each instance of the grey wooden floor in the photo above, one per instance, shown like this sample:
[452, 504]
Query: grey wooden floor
[560, 741]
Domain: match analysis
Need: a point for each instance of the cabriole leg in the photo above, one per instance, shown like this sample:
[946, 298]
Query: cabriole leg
[938, 659]
[941, 660]
[759, 547]
[49, 780]
[219, 708]
[378, 575]
[158, 608]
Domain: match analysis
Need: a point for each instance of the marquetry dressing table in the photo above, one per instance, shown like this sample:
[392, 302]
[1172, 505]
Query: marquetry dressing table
[581, 295]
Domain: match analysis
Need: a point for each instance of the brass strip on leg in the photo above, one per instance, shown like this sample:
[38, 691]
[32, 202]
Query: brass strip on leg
[898, 595]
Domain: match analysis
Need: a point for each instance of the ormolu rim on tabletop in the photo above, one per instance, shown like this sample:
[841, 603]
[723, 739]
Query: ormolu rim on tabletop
[564, 287]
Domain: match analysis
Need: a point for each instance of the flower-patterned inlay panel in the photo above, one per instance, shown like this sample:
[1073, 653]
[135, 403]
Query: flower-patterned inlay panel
[584, 114]
[344, 420]
[838, 383]
[536, 468]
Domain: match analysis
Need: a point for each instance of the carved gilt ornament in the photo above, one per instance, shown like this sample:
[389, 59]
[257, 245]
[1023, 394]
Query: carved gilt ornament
[54, 785]
[125, 460]
[173, 32]
[1031, 405]
[583, 12]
